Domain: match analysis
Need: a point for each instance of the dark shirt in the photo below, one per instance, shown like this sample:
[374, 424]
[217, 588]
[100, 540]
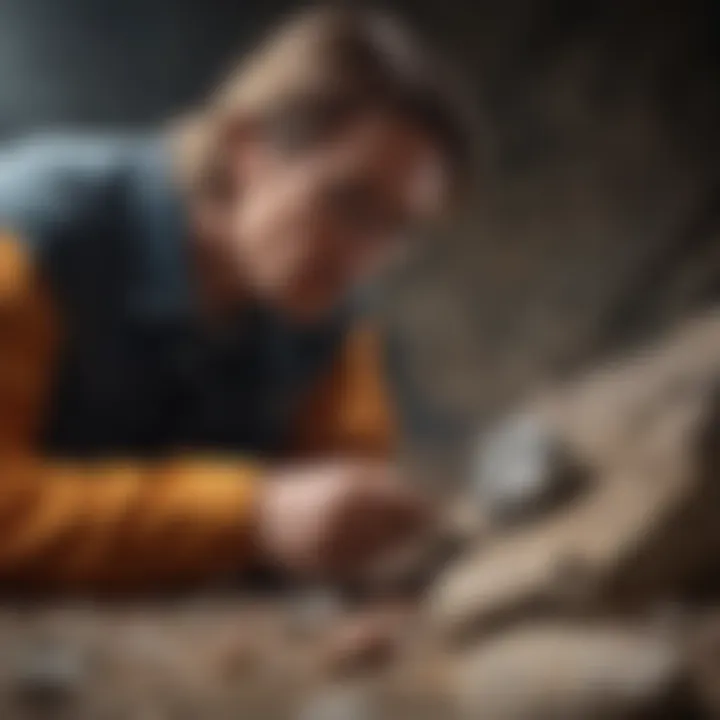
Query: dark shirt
[138, 373]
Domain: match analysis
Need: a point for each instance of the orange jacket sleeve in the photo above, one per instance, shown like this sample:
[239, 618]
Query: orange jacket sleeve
[115, 525]
[350, 412]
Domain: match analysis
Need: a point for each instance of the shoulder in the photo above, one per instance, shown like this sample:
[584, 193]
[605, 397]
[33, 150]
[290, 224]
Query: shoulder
[51, 184]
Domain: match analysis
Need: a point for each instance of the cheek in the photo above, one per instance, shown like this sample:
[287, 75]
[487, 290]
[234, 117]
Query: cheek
[266, 223]
[282, 234]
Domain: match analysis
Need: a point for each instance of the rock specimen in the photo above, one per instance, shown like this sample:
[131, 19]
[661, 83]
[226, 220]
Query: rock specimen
[648, 523]
[521, 469]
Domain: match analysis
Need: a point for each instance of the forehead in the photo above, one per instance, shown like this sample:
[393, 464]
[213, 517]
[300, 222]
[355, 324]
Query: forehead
[396, 158]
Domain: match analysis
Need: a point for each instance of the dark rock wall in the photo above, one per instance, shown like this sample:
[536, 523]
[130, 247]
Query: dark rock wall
[596, 220]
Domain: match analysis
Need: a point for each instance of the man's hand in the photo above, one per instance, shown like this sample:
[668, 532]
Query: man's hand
[335, 520]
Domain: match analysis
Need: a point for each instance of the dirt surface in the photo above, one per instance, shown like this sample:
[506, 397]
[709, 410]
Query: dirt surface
[204, 659]
[214, 659]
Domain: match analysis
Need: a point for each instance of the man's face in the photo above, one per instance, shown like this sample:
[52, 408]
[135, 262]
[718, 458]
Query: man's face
[309, 227]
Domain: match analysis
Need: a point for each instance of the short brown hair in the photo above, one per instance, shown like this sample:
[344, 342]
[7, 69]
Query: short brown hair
[324, 66]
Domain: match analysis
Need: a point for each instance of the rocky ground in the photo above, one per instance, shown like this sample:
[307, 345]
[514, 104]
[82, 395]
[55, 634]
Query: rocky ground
[232, 660]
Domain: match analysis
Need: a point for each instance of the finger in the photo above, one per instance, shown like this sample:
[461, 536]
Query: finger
[377, 524]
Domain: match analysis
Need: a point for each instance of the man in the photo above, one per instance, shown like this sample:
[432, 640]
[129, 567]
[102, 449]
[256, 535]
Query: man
[186, 386]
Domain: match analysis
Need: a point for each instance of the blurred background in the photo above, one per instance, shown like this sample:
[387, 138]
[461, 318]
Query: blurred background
[596, 213]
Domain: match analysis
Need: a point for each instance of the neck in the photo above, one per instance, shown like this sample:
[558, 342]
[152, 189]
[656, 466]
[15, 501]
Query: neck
[220, 287]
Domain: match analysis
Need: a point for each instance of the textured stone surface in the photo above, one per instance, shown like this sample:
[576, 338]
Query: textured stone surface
[218, 661]
[570, 673]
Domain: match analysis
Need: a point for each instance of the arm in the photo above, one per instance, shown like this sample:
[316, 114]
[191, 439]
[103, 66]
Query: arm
[350, 412]
[111, 525]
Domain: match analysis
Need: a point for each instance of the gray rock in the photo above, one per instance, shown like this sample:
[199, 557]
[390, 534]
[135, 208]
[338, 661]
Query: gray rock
[521, 469]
